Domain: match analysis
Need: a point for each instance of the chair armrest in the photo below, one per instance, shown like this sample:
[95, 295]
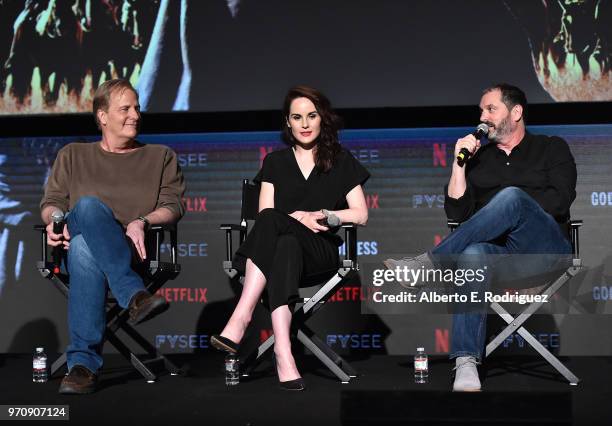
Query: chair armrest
[232, 227]
[43, 247]
[229, 228]
[160, 231]
[575, 237]
[168, 227]
[350, 241]
[452, 224]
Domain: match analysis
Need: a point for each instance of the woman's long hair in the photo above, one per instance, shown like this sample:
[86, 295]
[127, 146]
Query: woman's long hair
[328, 146]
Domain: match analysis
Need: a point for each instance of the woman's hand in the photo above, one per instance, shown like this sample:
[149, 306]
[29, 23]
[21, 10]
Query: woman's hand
[310, 220]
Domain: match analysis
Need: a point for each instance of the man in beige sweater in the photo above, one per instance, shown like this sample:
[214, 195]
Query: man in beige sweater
[113, 190]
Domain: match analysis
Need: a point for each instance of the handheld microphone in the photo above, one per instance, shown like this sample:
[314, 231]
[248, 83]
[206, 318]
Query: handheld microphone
[331, 220]
[58, 228]
[464, 154]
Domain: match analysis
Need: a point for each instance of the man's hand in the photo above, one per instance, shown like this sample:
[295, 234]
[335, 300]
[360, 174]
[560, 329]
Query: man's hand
[468, 142]
[55, 240]
[310, 220]
[135, 230]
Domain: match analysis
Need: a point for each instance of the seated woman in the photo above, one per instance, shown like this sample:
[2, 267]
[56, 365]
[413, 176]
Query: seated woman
[290, 240]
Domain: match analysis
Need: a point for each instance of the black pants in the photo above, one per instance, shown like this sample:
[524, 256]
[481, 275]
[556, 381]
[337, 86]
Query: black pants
[289, 254]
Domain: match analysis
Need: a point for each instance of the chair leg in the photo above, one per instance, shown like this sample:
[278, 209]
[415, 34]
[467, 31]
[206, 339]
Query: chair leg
[59, 363]
[548, 356]
[535, 344]
[331, 354]
[254, 358]
[125, 351]
[516, 322]
[323, 357]
[151, 350]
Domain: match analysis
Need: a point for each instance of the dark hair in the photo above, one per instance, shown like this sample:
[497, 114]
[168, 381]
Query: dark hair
[510, 96]
[103, 94]
[328, 146]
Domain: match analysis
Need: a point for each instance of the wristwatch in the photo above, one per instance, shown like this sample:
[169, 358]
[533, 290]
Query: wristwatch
[144, 220]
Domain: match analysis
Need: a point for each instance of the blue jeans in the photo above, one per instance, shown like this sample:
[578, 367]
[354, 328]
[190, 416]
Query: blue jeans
[511, 223]
[99, 253]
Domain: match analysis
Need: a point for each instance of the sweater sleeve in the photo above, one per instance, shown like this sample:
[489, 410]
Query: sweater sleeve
[57, 188]
[172, 186]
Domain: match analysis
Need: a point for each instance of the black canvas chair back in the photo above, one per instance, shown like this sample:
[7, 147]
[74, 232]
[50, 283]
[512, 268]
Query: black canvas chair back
[156, 271]
[250, 200]
[328, 283]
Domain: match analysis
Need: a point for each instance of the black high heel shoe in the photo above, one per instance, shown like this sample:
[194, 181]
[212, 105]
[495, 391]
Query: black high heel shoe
[293, 385]
[223, 344]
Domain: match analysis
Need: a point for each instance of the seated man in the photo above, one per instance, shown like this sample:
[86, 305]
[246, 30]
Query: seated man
[114, 189]
[512, 197]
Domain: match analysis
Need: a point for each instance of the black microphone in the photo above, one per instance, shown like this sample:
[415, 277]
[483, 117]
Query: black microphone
[58, 228]
[464, 154]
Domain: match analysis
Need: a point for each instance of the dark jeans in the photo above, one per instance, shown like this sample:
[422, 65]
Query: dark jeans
[99, 254]
[525, 228]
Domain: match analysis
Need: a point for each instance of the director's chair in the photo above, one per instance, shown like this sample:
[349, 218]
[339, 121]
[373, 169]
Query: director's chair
[552, 282]
[155, 274]
[305, 308]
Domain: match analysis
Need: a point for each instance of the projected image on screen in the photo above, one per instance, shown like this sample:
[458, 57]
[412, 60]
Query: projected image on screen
[235, 55]
[570, 44]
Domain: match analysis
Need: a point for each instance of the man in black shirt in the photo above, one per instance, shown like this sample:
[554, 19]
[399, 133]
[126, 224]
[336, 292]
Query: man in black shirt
[513, 198]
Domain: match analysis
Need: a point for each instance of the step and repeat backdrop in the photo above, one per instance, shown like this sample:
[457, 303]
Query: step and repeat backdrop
[241, 55]
[409, 168]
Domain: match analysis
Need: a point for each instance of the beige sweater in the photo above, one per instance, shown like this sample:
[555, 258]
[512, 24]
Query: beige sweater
[131, 184]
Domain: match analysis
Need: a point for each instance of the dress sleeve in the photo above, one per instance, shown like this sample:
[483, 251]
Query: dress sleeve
[267, 173]
[352, 173]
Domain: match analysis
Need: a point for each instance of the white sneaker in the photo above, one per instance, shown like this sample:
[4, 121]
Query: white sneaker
[422, 261]
[466, 375]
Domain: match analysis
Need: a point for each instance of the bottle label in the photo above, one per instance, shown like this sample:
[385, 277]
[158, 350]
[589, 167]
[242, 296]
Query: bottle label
[420, 365]
[39, 364]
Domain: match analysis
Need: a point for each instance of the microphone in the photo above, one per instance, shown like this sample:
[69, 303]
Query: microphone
[464, 154]
[331, 220]
[58, 228]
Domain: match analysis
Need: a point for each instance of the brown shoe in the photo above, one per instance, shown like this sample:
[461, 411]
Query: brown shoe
[79, 381]
[145, 306]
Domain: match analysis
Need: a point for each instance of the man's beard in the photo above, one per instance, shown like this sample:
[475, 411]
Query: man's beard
[501, 130]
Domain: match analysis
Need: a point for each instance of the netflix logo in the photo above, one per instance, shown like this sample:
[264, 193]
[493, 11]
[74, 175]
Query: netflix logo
[195, 204]
[263, 151]
[184, 294]
[439, 155]
[372, 201]
[352, 294]
[442, 340]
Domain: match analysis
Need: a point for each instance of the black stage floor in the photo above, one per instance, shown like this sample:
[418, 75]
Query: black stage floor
[201, 397]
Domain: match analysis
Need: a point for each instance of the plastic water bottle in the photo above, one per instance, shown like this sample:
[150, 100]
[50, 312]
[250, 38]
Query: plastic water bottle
[39, 366]
[232, 370]
[421, 366]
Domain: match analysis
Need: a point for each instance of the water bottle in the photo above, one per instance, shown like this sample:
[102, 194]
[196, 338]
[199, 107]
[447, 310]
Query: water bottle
[421, 367]
[232, 370]
[39, 366]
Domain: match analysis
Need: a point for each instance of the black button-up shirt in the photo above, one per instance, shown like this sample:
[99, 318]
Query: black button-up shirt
[542, 166]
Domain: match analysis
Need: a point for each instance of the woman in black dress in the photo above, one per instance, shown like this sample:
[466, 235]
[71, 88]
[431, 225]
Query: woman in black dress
[288, 242]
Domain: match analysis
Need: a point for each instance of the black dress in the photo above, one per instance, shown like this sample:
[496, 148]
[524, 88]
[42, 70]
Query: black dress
[286, 251]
